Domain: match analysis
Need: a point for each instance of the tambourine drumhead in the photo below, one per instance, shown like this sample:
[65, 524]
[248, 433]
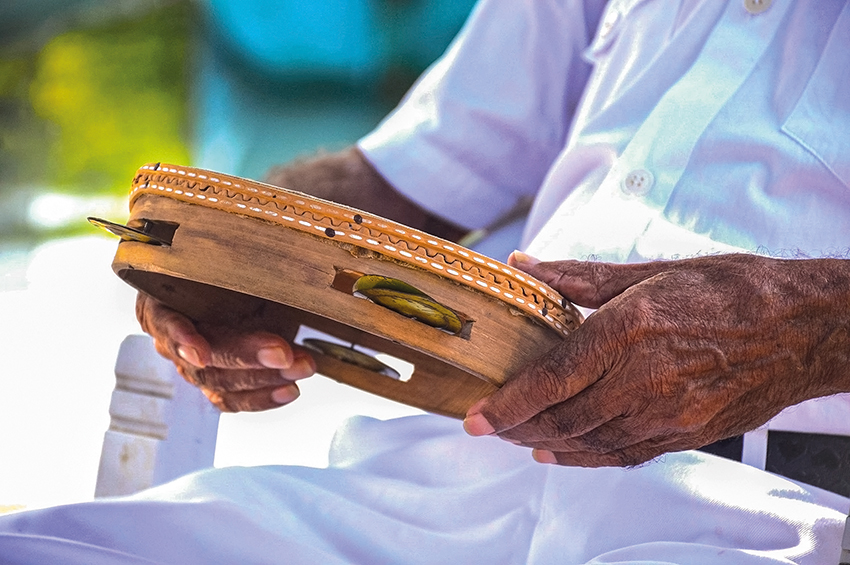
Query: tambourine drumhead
[222, 249]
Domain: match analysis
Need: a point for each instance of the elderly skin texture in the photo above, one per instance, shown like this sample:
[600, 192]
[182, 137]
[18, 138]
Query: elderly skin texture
[679, 354]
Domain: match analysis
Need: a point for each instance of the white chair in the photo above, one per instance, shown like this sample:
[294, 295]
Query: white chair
[161, 427]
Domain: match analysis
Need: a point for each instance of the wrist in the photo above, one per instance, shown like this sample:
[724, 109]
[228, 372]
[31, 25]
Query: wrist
[346, 177]
[822, 307]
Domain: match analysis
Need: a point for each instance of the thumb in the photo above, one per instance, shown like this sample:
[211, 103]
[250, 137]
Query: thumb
[588, 283]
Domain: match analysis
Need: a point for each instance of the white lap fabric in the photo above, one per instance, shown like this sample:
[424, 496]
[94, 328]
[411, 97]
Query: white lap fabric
[419, 490]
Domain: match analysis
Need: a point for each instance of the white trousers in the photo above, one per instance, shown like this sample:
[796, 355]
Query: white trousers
[418, 490]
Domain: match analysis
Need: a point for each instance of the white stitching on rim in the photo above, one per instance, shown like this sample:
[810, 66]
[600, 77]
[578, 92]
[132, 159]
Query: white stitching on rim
[439, 260]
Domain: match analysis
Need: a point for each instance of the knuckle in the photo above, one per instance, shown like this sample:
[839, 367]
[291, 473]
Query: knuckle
[598, 274]
[574, 424]
[586, 278]
[236, 380]
[226, 357]
[526, 395]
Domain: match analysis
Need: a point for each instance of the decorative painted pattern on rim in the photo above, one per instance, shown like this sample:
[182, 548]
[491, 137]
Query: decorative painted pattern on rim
[340, 223]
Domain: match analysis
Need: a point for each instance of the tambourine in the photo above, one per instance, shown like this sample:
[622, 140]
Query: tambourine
[227, 250]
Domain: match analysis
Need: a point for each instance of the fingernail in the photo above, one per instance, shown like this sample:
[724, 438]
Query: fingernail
[543, 456]
[285, 394]
[190, 355]
[274, 358]
[520, 257]
[301, 368]
[477, 425]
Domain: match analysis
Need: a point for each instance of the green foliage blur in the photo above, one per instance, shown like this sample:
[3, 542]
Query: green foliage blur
[82, 111]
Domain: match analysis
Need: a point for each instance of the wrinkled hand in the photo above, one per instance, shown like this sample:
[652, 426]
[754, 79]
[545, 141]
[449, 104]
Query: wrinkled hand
[679, 354]
[247, 370]
[236, 371]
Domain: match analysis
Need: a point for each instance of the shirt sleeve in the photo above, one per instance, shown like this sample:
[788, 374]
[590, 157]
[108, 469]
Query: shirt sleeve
[481, 127]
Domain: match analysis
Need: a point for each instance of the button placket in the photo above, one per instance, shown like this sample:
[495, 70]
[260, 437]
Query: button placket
[664, 163]
[614, 218]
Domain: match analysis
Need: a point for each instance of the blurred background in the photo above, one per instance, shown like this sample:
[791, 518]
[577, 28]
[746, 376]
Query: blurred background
[92, 89]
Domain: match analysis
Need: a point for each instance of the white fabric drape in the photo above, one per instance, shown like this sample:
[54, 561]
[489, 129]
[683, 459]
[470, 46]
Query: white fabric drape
[419, 490]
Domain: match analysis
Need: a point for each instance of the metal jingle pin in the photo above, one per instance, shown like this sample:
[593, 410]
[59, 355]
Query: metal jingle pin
[126, 233]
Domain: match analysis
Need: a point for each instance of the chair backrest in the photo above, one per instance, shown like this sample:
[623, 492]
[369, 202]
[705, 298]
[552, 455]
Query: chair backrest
[161, 427]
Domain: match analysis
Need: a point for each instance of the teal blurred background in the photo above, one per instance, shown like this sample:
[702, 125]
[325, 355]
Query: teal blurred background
[92, 89]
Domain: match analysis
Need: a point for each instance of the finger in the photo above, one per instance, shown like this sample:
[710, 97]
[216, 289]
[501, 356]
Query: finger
[253, 400]
[613, 435]
[233, 380]
[178, 339]
[303, 365]
[551, 379]
[642, 451]
[621, 433]
[588, 283]
[233, 349]
[625, 458]
[580, 421]
[218, 379]
[630, 456]
[175, 334]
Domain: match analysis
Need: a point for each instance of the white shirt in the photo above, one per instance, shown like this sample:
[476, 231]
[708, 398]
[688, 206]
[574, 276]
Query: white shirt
[742, 122]
[676, 128]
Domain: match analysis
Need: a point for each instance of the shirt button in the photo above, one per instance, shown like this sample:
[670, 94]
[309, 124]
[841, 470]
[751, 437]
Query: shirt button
[757, 6]
[638, 182]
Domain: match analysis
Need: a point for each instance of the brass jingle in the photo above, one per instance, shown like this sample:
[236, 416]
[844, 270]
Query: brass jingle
[350, 355]
[126, 233]
[421, 308]
[408, 301]
[367, 282]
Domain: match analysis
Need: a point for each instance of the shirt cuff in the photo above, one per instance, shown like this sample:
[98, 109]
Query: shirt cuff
[435, 181]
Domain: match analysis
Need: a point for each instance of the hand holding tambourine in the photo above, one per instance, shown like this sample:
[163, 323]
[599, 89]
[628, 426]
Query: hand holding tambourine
[227, 252]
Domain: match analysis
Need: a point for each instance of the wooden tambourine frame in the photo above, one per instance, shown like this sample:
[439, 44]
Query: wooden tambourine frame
[227, 250]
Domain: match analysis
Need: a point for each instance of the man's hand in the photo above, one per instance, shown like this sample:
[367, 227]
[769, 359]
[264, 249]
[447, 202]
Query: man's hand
[679, 354]
[240, 370]
[236, 371]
